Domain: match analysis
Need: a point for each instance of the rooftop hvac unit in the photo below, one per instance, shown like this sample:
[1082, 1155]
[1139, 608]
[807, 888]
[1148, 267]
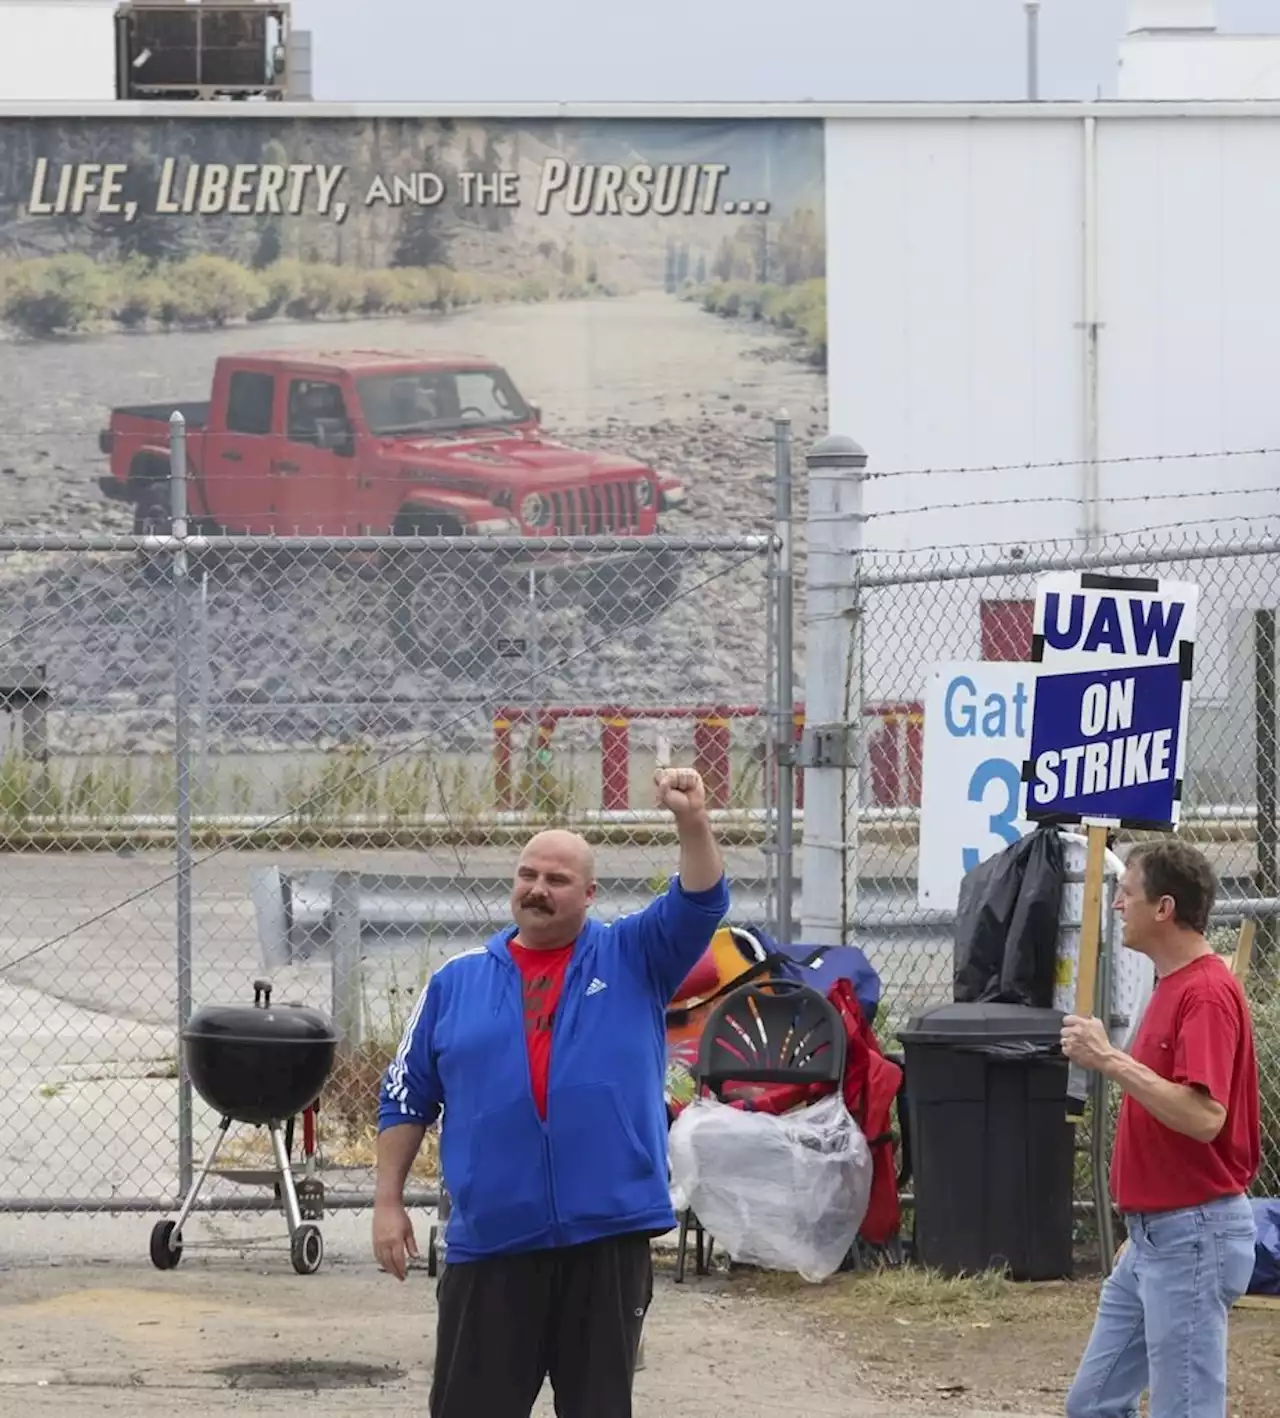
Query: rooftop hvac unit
[215, 49]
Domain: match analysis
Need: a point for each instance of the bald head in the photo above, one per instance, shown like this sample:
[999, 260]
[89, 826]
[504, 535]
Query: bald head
[567, 846]
[553, 889]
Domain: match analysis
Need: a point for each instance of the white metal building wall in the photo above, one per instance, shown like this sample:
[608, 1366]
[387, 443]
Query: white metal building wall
[969, 255]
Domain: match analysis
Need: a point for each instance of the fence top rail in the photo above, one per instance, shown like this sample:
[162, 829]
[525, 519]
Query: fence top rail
[1079, 561]
[526, 713]
[69, 542]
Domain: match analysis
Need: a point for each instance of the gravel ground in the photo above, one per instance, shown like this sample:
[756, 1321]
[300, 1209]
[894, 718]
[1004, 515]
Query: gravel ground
[305, 656]
[235, 1331]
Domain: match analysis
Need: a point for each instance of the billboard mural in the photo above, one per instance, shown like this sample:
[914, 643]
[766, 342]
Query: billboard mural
[436, 326]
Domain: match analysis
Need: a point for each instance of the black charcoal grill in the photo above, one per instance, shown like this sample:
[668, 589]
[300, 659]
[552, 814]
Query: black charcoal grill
[263, 1065]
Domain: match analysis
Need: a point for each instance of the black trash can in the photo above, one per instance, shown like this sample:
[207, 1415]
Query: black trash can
[993, 1154]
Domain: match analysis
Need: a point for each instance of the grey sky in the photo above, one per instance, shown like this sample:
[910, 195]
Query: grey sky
[726, 50]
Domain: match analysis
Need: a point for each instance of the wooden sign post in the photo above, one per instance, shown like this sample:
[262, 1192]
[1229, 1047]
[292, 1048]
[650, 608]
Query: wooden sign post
[1244, 950]
[1087, 965]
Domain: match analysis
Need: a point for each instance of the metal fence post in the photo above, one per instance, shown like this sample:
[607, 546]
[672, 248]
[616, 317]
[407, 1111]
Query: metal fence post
[1265, 727]
[182, 629]
[1099, 1134]
[345, 964]
[770, 777]
[784, 725]
[833, 690]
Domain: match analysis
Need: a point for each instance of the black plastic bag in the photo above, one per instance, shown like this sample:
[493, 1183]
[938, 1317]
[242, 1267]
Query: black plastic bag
[1006, 935]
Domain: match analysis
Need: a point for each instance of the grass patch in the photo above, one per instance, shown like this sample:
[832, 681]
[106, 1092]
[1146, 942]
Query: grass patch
[340, 789]
[99, 791]
[993, 1344]
[61, 295]
[1264, 1005]
[345, 786]
[801, 308]
[351, 784]
[347, 1117]
[922, 1296]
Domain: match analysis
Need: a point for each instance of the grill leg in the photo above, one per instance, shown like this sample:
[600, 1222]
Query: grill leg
[291, 1208]
[224, 1128]
[309, 1140]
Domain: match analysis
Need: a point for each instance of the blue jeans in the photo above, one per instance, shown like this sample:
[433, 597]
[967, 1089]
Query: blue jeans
[1162, 1318]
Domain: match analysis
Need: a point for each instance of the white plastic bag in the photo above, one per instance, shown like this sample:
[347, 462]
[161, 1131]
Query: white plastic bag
[784, 1193]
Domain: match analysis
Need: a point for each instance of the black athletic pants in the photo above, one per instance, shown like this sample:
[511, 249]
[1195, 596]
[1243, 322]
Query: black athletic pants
[574, 1314]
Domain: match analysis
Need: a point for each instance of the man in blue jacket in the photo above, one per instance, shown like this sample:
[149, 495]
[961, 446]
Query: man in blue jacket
[545, 1051]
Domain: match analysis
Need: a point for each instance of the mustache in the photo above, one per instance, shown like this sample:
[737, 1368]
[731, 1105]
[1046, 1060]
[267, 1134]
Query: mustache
[536, 903]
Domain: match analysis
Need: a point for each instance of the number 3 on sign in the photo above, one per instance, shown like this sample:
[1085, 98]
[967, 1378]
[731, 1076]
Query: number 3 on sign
[1003, 776]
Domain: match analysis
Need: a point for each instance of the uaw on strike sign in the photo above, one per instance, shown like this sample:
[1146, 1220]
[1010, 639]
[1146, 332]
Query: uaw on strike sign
[1109, 700]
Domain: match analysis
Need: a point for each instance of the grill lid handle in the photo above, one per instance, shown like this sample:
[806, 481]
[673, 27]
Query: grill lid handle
[261, 988]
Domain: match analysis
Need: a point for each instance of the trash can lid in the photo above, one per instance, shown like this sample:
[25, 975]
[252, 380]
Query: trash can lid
[983, 1023]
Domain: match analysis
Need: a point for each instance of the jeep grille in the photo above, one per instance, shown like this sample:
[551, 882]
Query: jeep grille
[601, 509]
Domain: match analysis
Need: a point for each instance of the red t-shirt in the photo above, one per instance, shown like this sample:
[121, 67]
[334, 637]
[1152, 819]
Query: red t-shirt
[542, 976]
[1196, 1031]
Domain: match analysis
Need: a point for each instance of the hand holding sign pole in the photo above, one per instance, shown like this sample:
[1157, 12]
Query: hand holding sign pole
[1108, 726]
[1087, 965]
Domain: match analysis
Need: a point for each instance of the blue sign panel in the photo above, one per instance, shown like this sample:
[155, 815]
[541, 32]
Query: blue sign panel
[1109, 708]
[1104, 745]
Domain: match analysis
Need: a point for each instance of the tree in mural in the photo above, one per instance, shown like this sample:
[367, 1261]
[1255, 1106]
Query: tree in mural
[781, 254]
[421, 239]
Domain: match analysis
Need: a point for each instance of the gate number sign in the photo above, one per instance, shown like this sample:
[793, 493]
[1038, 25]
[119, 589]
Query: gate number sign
[976, 738]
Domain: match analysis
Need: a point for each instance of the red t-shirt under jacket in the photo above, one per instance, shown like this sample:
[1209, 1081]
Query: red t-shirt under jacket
[1196, 1031]
[542, 976]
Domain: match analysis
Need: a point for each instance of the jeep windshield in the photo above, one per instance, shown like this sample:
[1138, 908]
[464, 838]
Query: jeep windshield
[439, 400]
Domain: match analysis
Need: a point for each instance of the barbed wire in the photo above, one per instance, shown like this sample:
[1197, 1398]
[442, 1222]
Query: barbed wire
[234, 840]
[1047, 465]
[1047, 499]
[1047, 545]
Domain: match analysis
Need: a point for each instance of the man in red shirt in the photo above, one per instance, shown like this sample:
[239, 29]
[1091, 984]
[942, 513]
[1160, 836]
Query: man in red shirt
[1186, 1152]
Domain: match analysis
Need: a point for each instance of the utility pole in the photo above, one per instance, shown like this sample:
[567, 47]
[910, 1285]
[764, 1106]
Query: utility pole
[1032, 7]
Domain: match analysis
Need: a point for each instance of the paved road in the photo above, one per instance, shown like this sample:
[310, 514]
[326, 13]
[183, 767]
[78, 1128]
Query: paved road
[87, 1043]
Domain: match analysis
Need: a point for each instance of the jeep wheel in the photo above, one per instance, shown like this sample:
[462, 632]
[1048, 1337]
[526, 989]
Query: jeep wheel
[633, 591]
[151, 514]
[450, 617]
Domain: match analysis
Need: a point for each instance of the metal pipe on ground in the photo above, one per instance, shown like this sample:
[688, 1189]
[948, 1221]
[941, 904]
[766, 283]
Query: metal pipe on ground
[296, 920]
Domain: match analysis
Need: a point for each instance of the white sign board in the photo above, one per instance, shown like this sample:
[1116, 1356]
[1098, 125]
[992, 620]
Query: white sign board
[1133, 977]
[977, 735]
[1114, 657]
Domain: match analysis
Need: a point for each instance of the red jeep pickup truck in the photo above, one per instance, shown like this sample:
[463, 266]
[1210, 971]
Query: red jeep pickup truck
[364, 442]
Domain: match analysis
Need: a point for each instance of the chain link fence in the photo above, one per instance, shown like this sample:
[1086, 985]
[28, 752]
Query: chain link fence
[317, 759]
[920, 610]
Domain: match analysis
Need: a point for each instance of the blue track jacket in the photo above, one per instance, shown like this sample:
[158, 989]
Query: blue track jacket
[598, 1165]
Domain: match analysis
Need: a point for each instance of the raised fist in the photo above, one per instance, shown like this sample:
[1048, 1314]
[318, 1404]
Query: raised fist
[680, 790]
